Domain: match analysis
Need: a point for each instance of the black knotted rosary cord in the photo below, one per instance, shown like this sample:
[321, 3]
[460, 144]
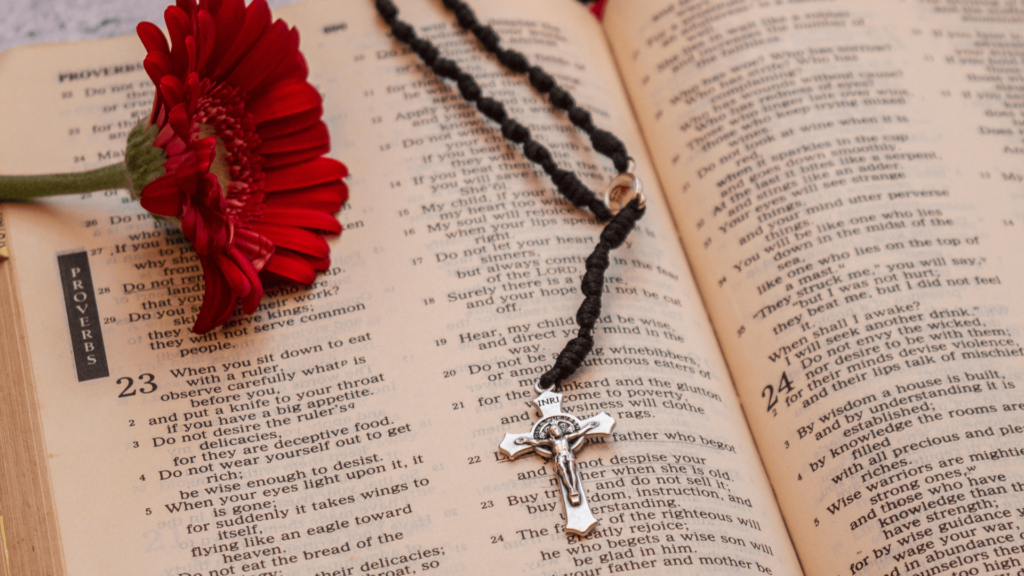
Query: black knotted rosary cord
[619, 225]
[604, 142]
[567, 182]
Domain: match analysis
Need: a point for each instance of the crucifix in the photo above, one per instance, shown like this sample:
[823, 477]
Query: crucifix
[558, 436]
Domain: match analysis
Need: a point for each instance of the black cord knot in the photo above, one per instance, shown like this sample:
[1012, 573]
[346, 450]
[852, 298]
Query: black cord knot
[614, 234]
[541, 80]
[487, 36]
[492, 109]
[468, 87]
[598, 259]
[606, 143]
[425, 49]
[464, 14]
[387, 10]
[582, 119]
[514, 60]
[515, 131]
[538, 153]
[446, 68]
[561, 98]
[403, 31]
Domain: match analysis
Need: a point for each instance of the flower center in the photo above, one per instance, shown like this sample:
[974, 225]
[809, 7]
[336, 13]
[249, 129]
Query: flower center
[220, 166]
[221, 113]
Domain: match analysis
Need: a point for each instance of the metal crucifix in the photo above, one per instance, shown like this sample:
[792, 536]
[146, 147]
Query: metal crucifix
[559, 436]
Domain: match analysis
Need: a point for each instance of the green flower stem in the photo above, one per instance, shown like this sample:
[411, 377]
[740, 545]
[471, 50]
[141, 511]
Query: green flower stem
[28, 187]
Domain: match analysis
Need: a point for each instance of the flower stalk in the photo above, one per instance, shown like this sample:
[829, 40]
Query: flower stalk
[28, 187]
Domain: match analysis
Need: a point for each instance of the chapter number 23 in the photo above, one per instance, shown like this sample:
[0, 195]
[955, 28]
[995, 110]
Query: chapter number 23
[146, 385]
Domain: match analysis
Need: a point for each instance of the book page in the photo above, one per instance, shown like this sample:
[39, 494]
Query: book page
[352, 427]
[846, 177]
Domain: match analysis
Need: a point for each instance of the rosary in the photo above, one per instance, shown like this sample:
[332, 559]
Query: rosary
[556, 435]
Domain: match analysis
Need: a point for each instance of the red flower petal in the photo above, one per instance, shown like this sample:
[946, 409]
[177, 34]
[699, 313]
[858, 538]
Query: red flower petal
[291, 266]
[211, 5]
[190, 49]
[326, 198]
[315, 135]
[291, 68]
[228, 19]
[295, 239]
[187, 6]
[207, 38]
[302, 218]
[178, 27]
[261, 60]
[257, 18]
[281, 160]
[320, 264]
[236, 279]
[284, 99]
[152, 38]
[251, 301]
[171, 89]
[256, 248]
[162, 196]
[157, 65]
[180, 121]
[291, 124]
[318, 171]
[218, 302]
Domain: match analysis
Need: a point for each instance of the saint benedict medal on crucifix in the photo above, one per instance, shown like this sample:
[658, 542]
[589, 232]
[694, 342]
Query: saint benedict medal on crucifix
[559, 436]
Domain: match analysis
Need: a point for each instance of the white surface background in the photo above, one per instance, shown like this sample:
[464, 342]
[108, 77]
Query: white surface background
[39, 21]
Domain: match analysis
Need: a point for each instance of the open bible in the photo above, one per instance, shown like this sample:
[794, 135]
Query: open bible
[810, 344]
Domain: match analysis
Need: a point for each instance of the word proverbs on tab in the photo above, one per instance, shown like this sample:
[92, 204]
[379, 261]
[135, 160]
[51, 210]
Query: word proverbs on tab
[83, 316]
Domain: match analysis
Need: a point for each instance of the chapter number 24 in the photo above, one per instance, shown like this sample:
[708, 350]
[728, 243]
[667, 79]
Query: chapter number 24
[773, 393]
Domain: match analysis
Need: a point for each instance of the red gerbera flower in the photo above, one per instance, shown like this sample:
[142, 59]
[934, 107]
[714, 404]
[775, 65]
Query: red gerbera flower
[244, 142]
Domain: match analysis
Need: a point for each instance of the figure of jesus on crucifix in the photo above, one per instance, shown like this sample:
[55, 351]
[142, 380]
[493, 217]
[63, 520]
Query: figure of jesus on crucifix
[558, 436]
[564, 459]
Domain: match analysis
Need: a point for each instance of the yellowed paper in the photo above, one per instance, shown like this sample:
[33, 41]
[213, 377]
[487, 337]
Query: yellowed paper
[353, 427]
[846, 178]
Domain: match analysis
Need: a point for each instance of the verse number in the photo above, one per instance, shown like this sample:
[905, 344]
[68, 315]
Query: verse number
[474, 459]
[146, 385]
[785, 385]
[487, 504]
